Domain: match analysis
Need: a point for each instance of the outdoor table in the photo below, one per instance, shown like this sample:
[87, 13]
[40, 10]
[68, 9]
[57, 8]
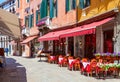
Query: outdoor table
[71, 63]
[85, 64]
[60, 59]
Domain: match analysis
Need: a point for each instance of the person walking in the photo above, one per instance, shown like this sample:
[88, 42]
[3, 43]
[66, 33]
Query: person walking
[6, 51]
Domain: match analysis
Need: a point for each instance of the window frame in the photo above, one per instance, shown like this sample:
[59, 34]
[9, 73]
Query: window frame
[70, 5]
[27, 21]
[55, 6]
[18, 1]
[85, 6]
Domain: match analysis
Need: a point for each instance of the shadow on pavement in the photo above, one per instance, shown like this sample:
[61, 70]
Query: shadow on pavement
[13, 72]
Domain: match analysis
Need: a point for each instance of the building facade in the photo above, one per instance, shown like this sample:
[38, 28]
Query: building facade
[5, 40]
[95, 28]
[26, 10]
[9, 5]
[104, 39]
[76, 27]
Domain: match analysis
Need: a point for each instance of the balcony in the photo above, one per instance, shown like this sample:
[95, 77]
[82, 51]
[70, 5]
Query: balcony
[45, 22]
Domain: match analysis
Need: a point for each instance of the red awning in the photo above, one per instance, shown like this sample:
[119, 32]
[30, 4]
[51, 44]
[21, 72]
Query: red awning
[29, 39]
[82, 30]
[85, 29]
[52, 35]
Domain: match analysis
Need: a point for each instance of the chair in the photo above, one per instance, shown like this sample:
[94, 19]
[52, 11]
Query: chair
[77, 64]
[60, 60]
[51, 59]
[92, 67]
[70, 62]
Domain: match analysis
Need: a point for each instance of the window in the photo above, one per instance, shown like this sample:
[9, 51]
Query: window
[84, 3]
[55, 8]
[44, 9]
[70, 4]
[18, 3]
[37, 16]
[10, 3]
[73, 4]
[13, 10]
[27, 21]
[27, 10]
[27, 1]
[31, 20]
[13, 1]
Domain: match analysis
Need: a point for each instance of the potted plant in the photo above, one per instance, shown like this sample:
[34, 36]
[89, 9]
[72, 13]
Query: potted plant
[97, 55]
[108, 56]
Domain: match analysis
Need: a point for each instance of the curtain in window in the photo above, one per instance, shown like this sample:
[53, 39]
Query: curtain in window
[51, 8]
[87, 3]
[67, 5]
[43, 9]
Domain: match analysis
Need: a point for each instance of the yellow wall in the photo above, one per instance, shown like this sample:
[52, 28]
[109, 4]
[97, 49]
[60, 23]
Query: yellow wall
[97, 7]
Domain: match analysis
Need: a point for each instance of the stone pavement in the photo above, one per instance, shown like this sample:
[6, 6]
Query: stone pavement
[20, 69]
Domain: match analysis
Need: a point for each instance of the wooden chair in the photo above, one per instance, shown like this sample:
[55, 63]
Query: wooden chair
[51, 59]
[70, 62]
[60, 60]
[92, 68]
[65, 61]
[77, 64]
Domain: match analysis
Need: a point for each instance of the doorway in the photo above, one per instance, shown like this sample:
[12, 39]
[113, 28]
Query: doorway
[90, 45]
[71, 46]
[108, 43]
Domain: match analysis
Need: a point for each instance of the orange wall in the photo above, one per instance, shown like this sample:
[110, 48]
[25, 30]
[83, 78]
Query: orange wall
[97, 7]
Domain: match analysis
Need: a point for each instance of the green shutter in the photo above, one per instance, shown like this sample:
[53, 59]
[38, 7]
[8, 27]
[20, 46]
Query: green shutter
[36, 16]
[67, 5]
[25, 22]
[56, 8]
[81, 3]
[30, 21]
[43, 9]
[73, 4]
[51, 9]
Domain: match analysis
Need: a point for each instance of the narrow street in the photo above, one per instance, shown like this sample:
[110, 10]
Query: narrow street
[20, 69]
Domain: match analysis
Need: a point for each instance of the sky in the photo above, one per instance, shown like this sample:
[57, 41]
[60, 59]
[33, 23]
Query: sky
[2, 1]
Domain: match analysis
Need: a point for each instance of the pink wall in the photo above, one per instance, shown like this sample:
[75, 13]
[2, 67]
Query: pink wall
[64, 18]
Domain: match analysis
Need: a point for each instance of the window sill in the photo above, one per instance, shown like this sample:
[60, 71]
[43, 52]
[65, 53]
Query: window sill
[86, 8]
[70, 11]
